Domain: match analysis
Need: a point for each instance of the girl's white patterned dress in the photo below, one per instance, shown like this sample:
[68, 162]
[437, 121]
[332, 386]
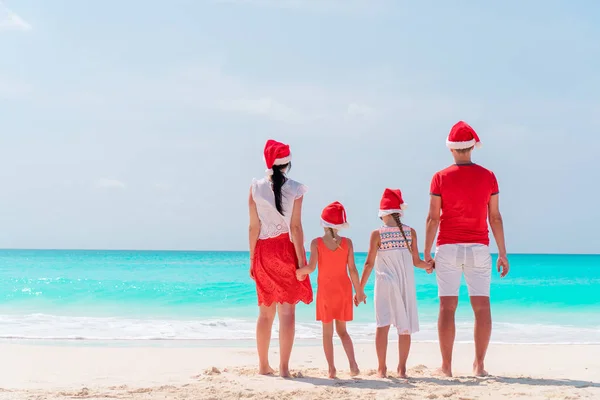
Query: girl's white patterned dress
[395, 291]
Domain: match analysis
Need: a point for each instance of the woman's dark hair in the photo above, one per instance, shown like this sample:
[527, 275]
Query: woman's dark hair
[396, 217]
[278, 179]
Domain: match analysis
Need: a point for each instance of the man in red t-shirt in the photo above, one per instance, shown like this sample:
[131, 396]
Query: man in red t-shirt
[464, 197]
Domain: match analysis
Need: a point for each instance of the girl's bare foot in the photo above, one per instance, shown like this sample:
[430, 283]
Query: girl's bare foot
[443, 372]
[332, 373]
[382, 373]
[402, 372]
[354, 371]
[284, 372]
[267, 370]
[479, 370]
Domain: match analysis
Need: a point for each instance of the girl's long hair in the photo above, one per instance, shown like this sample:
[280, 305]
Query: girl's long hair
[396, 217]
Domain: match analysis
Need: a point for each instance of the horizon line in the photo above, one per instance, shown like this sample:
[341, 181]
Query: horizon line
[241, 251]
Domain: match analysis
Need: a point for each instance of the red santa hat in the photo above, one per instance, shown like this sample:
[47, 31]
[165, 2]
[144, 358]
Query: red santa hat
[334, 216]
[276, 153]
[391, 203]
[462, 136]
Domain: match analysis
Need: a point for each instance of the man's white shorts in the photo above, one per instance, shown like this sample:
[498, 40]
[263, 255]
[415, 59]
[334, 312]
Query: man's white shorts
[474, 260]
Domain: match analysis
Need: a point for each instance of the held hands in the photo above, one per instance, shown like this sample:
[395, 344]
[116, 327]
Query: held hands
[360, 297]
[430, 266]
[430, 262]
[301, 274]
[502, 265]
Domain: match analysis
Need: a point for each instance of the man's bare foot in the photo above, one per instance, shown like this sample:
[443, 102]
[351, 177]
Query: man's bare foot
[402, 372]
[284, 372]
[443, 372]
[266, 370]
[354, 371]
[382, 373]
[479, 370]
[332, 373]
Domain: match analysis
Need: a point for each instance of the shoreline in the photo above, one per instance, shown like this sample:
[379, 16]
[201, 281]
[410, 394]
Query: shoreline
[236, 344]
[543, 371]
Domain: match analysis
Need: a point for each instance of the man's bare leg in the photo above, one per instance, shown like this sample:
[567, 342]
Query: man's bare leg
[447, 332]
[483, 332]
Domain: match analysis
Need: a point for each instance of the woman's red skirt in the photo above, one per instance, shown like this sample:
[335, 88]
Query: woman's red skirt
[274, 267]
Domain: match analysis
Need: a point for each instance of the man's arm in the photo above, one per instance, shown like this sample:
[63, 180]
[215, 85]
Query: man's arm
[433, 222]
[497, 226]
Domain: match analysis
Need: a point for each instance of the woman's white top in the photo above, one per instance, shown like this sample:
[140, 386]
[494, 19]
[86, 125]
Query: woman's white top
[272, 223]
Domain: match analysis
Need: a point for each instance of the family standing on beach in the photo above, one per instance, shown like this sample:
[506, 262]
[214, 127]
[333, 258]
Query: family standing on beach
[464, 197]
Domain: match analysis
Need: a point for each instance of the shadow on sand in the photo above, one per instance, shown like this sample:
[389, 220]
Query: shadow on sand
[380, 384]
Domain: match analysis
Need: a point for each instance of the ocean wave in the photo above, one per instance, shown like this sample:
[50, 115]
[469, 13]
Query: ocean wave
[107, 329]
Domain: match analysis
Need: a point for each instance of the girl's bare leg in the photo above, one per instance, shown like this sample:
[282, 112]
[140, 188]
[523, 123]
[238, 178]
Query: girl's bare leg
[264, 324]
[340, 327]
[404, 341]
[328, 347]
[381, 343]
[287, 332]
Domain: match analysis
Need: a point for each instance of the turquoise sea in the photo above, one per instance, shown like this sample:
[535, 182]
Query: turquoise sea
[110, 296]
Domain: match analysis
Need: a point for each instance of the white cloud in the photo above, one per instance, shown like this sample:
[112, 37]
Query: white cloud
[108, 184]
[266, 107]
[11, 21]
[360, 110]
[313, 5]
[162, 187]
[13, 89]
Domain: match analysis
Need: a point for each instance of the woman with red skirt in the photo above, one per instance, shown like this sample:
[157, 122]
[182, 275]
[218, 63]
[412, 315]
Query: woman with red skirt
[276, 251]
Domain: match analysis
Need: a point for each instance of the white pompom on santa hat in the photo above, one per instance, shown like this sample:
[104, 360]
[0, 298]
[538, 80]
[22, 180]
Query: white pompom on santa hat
[391, 203]
[276, 153]
[462, 136]
[334, 216]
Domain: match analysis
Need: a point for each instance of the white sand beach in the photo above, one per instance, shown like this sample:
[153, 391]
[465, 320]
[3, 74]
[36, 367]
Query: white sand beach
[519, 372]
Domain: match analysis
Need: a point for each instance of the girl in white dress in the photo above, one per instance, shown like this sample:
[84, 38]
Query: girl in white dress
[393, 252]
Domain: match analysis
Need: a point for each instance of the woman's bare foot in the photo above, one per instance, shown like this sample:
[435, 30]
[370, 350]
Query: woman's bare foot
[267, 370]
[382, 373]
[443, 372]
[479, 370]
[332, 373]
[354, 371]
[402, 372]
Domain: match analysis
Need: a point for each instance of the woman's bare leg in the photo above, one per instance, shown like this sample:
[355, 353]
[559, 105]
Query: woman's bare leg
[264, 325]
[287, 332]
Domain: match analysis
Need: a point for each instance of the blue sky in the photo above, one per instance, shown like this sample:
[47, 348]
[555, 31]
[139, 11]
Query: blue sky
[140, 124]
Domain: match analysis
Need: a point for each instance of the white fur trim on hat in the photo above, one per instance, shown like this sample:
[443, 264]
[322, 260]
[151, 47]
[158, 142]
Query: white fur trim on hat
[463, 145]
[383, 213]
[326, 224]
[283, 161]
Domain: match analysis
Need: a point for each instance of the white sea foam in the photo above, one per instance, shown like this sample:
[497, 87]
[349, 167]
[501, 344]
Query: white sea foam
[65, 328]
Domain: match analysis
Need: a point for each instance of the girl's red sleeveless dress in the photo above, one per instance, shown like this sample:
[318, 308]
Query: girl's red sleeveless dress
[334, 292]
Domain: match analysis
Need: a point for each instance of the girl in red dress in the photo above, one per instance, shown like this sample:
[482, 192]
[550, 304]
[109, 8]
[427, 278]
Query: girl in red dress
[335, 257]
[276, 251]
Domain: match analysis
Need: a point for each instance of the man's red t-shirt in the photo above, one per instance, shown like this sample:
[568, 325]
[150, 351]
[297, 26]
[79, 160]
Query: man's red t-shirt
[465, 191]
